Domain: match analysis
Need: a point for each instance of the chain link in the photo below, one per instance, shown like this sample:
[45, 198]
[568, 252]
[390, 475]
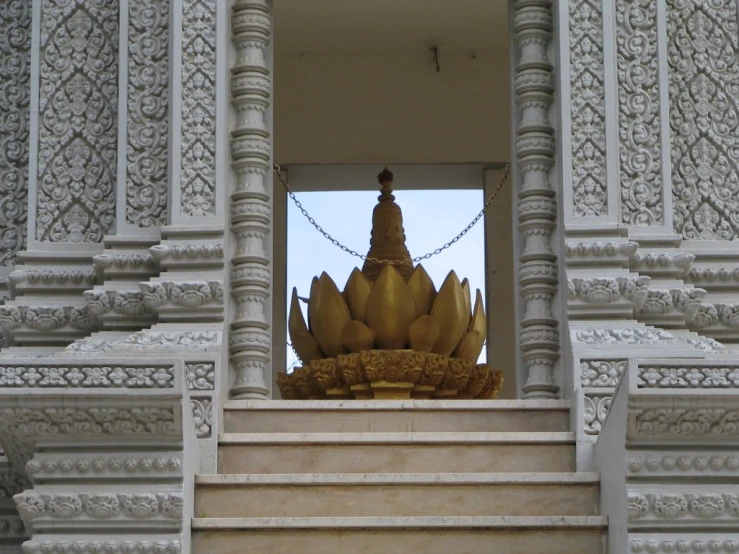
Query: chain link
[278, 170]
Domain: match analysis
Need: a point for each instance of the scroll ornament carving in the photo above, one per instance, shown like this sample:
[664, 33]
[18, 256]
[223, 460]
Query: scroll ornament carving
[198, 107]
[138, 506]
[601, 373]
[702, 50]
[588, 109]
[148, 84]
[638, 335]
[639, 126]
[144, 339]
[595, 411]
[201, 376]
[715, 422]
[688, 377]
[15, 97]
[202, 416]
[44, 376]
[77, 131]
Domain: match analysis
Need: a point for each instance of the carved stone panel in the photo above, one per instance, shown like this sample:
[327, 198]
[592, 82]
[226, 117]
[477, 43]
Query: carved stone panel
[15, 95]
[198, 107]
[589, 185]
[78, 102]
[702, 47]
[638, 112]
[148, 104]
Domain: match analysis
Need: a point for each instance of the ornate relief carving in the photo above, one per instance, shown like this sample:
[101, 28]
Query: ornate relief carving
[94, 466]
[15, 101]
[77, 127]
[202, 416]
[148, 85]
[606, 290]
[684, 422]
[684, 506]
[702, 50]
[601, 373]
[198, 107]
[165, 252]
[688, 377]
[599, 250]
[639, 123]
[595, 411]
[137, 506]
[588, 108]
[251, 156]
[68, 376]
[201, 376]
[638, 335]
[149, 339]
[12, 527]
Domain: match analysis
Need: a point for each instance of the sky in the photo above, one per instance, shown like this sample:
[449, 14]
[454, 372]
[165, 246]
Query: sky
[430, 218]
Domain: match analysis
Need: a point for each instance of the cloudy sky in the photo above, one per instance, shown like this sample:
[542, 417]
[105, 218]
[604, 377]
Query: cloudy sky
[431, 218]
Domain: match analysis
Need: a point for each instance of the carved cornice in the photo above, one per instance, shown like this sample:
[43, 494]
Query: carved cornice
[672, 263]
[116, 466]
[53, 374]
[677, 377]
[715, 543]
[615, 253]
[102, 544]
[683, 464]
[608, 296]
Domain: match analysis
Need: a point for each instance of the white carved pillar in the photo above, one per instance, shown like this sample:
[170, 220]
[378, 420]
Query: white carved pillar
[537, 206]
[251, 199]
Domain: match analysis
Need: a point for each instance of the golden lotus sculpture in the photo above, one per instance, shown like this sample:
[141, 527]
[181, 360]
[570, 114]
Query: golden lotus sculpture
[390, 333]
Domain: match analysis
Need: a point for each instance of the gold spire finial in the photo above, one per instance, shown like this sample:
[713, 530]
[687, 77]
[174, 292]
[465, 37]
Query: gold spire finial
[388, 236]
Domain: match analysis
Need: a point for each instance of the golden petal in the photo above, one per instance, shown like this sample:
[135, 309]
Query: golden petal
[313, 285]
[478, 323]
[423, 290]
[469, 346]
[303, 342]
[449, 312]
[391, 309]
[356, 294]
[423, 334]
[357, 337]
[467, 295]
[329, 315]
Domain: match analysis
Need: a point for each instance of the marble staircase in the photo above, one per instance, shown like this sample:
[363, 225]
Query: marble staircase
[397, 477]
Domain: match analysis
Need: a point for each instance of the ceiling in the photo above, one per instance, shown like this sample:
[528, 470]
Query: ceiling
[315, 25]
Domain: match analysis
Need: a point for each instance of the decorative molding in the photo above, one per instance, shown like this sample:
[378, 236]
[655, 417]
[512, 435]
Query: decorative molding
[125, 261]
[609, 290]
[661, 262]
[104, 544]
[716, 276]
[148, 105]
[200, 376]
[588, 252]
[77, 128]
[251, 212]
[676, 377]
[682, 464]
[12, 527]
[716, 423]
[683, 508]
[198, 108]
[175, 252]
[15, 102]
[51, 278]
[39, 510]
[111, 466]
[702, 50]
[535, 151]
[695, 544]
[642, 200]
[74, 376]
[588, 135]
[626, 335]
[184, 294]
[45, 318]
[601, 373]
[171, 339]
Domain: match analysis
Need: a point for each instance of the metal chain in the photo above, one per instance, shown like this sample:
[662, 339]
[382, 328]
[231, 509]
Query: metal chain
[278, 170]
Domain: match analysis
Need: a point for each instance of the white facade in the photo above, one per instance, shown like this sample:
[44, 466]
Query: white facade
[142, 237]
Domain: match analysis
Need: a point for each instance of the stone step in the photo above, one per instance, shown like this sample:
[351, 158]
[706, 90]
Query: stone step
[334, 416]
[396, 452]
[388, 494]
[402, 535]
